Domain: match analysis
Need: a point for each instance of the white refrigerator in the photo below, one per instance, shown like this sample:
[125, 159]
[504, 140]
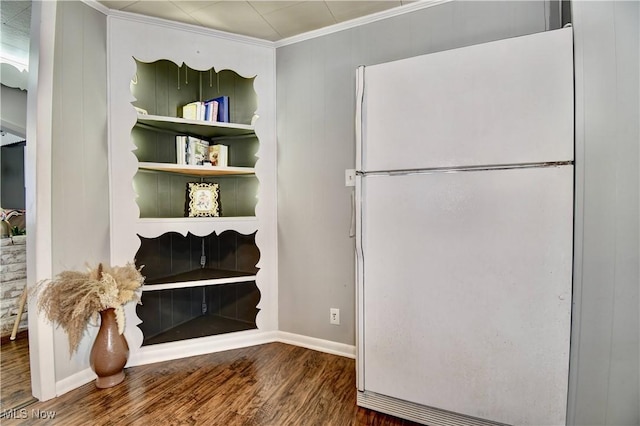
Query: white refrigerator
[464, 233]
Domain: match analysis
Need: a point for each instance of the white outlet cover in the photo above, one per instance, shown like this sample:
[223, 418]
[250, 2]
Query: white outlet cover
[334, 316]
[350, 177]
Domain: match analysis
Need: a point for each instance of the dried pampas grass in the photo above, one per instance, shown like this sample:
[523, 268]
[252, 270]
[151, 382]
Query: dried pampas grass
[72, 299]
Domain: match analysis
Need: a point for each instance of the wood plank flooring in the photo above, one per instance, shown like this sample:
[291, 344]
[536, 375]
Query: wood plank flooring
[272, 384]
[15, 380]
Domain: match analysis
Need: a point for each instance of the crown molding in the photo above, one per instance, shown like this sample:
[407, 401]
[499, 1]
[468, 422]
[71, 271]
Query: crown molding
[136, 17]
[385, 14]
[97, 6]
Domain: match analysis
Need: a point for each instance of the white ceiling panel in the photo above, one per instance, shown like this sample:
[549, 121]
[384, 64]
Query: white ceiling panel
[270, 6]
[301, 17]
[14, 34]
[10, 9]
[230, 15]
[21, 21]
[190, 6]
[161, 9]
[117, 4]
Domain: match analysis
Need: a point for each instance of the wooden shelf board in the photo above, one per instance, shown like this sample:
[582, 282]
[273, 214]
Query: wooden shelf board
[195, 127]
[184, 169]
[198, 278]
[170, 220]
[200, 226]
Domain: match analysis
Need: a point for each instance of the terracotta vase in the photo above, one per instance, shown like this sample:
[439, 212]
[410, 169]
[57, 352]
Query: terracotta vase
[110, 351]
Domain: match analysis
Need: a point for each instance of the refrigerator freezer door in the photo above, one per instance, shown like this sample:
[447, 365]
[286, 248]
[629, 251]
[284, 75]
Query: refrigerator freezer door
[467, 291]
[505, 102]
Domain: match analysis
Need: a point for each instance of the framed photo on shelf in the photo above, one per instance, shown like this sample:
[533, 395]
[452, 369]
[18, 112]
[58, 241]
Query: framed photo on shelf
[203, 199]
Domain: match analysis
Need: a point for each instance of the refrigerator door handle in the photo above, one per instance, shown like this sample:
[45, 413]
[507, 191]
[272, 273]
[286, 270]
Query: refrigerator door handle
[457, 169]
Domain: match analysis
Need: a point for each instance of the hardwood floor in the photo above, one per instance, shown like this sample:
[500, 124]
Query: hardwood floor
[15, 380]
[272, 384]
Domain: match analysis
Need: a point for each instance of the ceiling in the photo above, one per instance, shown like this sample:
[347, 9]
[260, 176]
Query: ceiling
[14, 40]
[268, 20]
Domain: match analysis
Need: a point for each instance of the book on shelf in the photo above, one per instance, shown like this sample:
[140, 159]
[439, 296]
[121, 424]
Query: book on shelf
[191, 151]
[202, 152]
[198, 150]
[219, 155]
[223, 108]
[193, 111]
[211, 110]
[181, 149]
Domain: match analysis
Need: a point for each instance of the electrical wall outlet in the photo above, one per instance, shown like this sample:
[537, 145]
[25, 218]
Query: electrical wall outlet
[334, 316]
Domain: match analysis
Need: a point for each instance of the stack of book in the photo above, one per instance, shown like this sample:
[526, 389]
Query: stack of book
[213, 110]
[192, 151]
[197, 152]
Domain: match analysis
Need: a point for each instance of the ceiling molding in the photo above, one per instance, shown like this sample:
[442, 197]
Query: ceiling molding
[385, 14]
[190, 27]
[97, 6]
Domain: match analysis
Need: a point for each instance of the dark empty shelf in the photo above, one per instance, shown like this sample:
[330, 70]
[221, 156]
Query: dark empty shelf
[202, 326]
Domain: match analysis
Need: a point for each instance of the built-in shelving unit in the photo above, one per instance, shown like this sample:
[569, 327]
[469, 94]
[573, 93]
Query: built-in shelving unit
[205, 277]
[163, 88]
[175, 263]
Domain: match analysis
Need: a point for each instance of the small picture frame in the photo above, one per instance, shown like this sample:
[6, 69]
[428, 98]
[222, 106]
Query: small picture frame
[203, 199]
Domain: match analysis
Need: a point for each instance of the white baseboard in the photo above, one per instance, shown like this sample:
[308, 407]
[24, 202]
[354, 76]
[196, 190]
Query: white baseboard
[184, 349]
[316, 344]
[74, 381]
[201, 346]
[207, 345]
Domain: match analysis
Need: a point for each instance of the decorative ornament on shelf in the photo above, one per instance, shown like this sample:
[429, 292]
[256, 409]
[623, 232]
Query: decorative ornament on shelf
[75, 299]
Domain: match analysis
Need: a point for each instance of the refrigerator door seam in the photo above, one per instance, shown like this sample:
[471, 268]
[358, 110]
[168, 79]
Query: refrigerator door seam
[432, 170]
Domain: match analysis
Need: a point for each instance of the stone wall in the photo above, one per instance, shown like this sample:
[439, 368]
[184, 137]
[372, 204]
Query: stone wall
[13, 278]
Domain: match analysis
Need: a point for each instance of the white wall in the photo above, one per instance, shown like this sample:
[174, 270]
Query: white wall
[13, 110]
[604, 379]
[315, 107]
[79, 175]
